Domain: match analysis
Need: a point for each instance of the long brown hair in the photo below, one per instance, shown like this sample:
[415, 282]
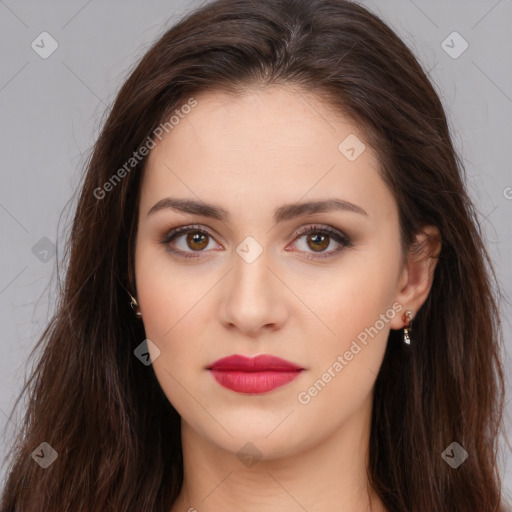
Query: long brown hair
[115, 432]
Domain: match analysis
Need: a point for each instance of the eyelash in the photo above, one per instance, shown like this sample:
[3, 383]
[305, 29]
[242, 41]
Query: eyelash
[336, 235]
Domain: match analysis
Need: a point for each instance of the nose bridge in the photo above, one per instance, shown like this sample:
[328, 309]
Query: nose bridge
[253, 298]
[251, 276]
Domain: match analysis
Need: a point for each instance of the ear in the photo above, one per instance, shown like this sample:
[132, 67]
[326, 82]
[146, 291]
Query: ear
[417, 273]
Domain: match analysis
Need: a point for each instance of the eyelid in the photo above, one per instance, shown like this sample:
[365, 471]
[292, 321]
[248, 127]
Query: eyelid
[324, 228]
[339, 237]
[174, 233]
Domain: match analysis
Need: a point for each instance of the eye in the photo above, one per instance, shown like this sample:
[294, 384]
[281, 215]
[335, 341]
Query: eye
[323, 235]
[197, 239]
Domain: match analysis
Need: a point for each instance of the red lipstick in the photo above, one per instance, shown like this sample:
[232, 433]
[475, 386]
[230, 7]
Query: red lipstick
[253, 375]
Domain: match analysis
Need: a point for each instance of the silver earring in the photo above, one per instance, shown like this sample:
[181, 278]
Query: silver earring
[135, 305]
[407, 319]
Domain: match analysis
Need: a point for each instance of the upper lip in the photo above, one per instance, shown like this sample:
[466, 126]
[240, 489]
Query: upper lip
[258, 363]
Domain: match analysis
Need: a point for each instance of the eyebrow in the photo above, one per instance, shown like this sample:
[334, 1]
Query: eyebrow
[282, 213]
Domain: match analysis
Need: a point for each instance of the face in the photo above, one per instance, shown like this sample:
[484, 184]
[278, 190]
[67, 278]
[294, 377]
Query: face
[315, 287]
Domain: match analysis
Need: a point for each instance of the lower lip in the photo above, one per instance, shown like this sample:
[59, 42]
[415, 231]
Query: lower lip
[253, 382]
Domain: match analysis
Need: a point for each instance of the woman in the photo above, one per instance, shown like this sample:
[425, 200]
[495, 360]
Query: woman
[277, 295]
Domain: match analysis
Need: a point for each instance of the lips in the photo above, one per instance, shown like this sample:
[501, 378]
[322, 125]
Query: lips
[259, 363]
[254, 375]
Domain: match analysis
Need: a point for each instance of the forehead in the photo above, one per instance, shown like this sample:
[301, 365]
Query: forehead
[278, 120]
[252, 147]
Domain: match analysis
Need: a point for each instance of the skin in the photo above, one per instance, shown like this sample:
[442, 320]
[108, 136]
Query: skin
[249, 154]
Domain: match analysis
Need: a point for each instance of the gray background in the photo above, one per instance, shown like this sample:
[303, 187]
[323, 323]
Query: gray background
[51, 112]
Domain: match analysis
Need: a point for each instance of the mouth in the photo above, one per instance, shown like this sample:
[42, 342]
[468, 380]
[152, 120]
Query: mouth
[254, 375]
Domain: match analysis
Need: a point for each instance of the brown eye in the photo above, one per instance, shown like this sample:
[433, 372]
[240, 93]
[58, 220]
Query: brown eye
[318, 242]
[319, 238]
[196, 241]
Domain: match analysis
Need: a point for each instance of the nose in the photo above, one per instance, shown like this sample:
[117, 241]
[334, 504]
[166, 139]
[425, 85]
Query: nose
[254, 297]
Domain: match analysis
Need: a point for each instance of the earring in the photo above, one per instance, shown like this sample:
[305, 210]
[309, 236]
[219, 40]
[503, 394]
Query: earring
[134, 305]
[407, 319]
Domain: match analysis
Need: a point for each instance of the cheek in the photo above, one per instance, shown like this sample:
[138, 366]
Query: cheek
[357, 308]
[174, 310]
[345, 364]
[166, 294]
[171, 309]
[357, 295]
